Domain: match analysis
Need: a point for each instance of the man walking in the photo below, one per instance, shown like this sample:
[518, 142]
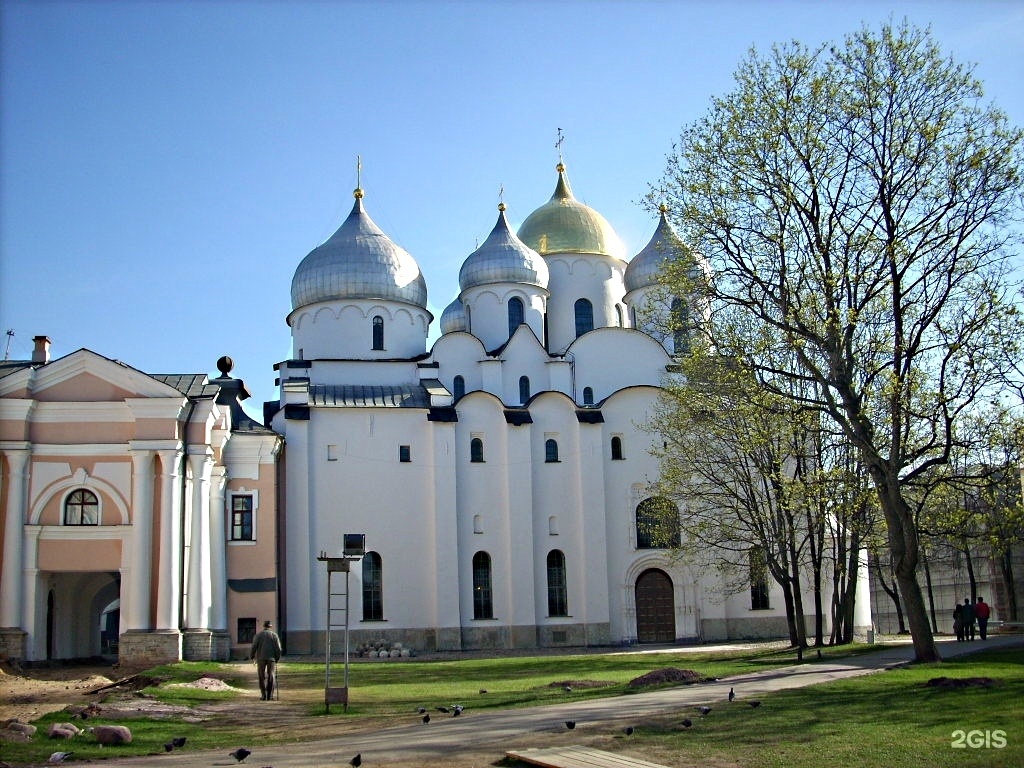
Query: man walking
[968, 610]
[266, 650]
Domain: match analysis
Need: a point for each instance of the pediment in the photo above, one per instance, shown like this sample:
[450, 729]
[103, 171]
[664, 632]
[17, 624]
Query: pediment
[85, 376]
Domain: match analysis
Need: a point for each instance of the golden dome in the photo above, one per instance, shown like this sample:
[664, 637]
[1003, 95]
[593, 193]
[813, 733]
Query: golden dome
[565, 225]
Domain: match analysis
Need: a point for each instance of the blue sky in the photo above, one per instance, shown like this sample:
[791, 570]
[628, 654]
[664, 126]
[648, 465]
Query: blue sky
[165, 166]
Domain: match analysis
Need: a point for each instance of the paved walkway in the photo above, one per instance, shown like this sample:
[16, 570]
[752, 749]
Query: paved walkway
[479, 730]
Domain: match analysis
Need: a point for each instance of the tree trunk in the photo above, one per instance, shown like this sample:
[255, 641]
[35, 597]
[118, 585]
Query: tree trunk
[972, 579]
[1006, 568]
[931, 593]
[904, 548]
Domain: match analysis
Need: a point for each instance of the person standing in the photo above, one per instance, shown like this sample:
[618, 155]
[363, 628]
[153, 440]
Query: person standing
[968, 613]
[958, 622]
[981, 612]
[266, 651]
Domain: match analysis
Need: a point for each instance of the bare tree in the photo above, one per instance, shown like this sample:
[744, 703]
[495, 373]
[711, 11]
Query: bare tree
[858, 201]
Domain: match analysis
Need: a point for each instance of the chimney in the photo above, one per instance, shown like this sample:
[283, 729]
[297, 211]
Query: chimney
[41, 353]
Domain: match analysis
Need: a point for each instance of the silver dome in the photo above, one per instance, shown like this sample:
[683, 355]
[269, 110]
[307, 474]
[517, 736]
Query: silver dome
[664, 245]
[503, 258]
[358, 261]
[454, 318]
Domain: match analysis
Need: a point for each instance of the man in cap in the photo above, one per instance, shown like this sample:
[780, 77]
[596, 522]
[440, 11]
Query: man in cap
[266, 651]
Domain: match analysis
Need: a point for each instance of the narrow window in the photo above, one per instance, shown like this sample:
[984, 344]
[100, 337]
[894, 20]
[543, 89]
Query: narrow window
[617, 448]
[680, 327]
[378, 332]
[332, 452]
[241, 518]
[550, 451]
[758, 580]
[584, 317]
[404, 454]
[458, 387]
[588, 395]
[618, 315]
[483, 604]
[81, 507]
[476, 450]
[657, 524]
[515, 314]
[557, 598]
[246, 630]
[524, 389]
[373, 587]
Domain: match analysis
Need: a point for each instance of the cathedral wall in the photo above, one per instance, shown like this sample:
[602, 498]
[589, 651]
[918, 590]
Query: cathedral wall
[581, 276]
[336, 330]
[357, 484]
[365, 373]
[590, 355]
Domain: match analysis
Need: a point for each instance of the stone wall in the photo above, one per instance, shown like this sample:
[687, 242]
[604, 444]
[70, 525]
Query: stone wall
[147, 649]
[12, 643]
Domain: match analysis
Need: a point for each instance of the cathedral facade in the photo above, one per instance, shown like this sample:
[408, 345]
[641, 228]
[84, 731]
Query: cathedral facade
[498, 482]
[501, 479]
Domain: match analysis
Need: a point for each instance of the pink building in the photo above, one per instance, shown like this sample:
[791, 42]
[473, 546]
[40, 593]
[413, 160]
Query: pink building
[129, 505]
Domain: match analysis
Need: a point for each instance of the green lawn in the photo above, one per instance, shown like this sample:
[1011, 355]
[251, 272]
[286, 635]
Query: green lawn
[888, 719]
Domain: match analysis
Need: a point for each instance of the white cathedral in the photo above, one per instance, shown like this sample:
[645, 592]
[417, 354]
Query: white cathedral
[501, 479]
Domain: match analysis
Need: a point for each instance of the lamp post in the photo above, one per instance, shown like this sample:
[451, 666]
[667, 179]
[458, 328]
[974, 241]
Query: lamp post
[353, 548]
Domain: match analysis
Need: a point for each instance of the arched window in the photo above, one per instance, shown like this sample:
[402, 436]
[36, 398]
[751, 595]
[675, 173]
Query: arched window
[617, 448]
[378, 332]
[373, 587]
[618, 315]
[584, 317]
[483, 602]
[476, 450]
[550, 451]
[524, 389]
[81, 507]
[515, 314]
[657, 524]
[469, 320]
[758, 580]
[558, 603]
[588, 395]
[458, 387]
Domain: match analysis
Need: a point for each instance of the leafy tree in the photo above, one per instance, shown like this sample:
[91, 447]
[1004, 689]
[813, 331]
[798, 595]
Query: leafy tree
[858, 201]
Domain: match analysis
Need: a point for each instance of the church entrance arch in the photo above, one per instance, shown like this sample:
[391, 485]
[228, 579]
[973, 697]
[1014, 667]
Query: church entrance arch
[655, 607]
[82, 609]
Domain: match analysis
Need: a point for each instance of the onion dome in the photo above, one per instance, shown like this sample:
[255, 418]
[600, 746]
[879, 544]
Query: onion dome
[358, 261]
[503, 258]
[565, 225]
[454, 318]
[665, 244]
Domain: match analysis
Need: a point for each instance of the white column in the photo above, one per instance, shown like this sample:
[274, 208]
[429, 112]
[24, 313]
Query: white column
[218, 551]
[168, 597]
[14, 554]
[197, 610]
[136, 575]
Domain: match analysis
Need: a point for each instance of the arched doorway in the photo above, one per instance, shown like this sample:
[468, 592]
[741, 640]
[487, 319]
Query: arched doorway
[655, 607]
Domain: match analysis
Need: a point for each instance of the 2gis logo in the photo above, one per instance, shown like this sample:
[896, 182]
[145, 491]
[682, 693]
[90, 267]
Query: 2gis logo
[978, 739]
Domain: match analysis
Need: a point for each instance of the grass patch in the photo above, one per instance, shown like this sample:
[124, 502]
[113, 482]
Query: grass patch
[889, 719]
[885, 720]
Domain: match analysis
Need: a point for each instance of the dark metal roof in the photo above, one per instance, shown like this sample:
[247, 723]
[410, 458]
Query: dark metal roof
[368, 396]
[195, 385]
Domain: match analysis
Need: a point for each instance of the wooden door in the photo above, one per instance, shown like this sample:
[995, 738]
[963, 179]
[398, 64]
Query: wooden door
[655, 608]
